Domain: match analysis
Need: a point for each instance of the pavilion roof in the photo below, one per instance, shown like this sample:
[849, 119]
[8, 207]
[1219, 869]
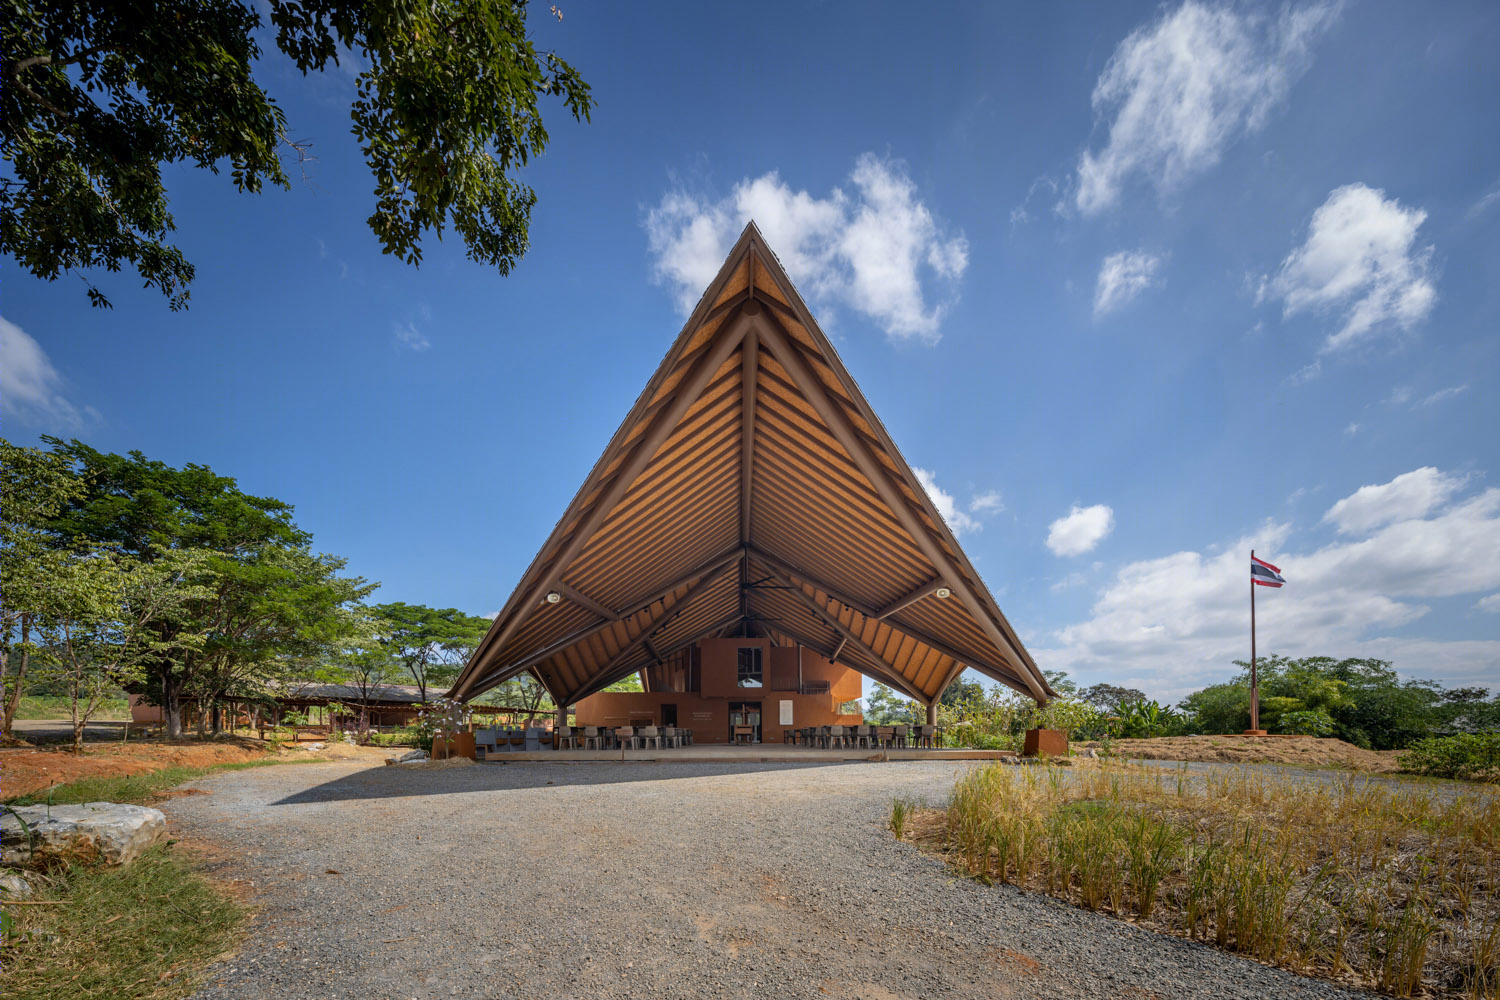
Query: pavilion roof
[751, 490]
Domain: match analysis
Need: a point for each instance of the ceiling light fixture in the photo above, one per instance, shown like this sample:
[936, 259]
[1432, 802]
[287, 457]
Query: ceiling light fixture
[943, 593]
[553, 597]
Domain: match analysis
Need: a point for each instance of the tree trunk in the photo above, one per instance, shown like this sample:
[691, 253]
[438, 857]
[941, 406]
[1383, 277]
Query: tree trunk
[18, 682]
[171, 698]
[218, 720]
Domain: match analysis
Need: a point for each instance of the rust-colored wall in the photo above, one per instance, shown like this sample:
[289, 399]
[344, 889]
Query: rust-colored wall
[708, 718]
[706, 713]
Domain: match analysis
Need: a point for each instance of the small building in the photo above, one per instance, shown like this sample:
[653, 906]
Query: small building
[751, 516]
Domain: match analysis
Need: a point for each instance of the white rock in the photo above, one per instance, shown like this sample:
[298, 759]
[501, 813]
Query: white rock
[117, 833]
[318, 746]
[412, 756]
[14, 886]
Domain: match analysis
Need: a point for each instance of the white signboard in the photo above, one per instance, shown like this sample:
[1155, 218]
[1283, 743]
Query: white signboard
[786, 713]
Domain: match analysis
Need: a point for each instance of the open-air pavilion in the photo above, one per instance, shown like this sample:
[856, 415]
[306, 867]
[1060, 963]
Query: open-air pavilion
[751, 492]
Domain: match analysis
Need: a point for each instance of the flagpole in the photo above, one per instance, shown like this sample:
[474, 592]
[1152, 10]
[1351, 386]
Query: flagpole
[1254, 687]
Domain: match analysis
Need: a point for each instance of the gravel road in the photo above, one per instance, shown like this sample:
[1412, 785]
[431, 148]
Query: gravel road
[647, 880]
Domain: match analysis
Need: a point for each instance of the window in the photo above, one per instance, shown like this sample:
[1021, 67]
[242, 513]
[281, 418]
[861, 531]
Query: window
[749, 667]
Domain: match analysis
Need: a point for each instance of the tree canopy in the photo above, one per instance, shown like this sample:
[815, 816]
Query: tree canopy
[97, 97]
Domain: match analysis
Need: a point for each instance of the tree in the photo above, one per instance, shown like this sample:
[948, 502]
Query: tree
[34, 488]
[98, 96]
[1111, 697]
[366, 667]
[249, 583]
[962, 692]
[424, 640]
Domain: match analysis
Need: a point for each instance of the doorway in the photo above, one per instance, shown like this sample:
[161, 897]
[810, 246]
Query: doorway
[743, 716]
[669, 715]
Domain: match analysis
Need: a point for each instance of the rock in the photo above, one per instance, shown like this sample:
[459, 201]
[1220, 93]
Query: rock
[318, 746]
[411, 756]
[13, 886]
[116, 834]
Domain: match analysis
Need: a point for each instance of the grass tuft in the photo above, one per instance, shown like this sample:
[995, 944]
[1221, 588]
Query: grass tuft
[141, 932]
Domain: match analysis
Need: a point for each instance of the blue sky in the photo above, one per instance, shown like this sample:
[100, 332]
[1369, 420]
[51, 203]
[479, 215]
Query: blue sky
[1138, 287]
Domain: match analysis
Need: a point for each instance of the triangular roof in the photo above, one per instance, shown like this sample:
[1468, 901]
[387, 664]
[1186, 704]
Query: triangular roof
[751, 488]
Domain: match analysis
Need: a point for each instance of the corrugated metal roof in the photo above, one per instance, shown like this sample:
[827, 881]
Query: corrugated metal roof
[751, 487]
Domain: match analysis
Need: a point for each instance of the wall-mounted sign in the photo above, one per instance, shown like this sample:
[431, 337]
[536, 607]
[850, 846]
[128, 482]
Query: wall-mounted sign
[703, 716]
[786, 713]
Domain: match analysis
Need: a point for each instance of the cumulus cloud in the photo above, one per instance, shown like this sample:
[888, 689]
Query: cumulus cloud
[874, 248]
[33, 388]
[1490, 604]
[1360, 260]
[1410, 495]
[1122, 277]
[1174, 623]
[1182, 89]
[1081, 530]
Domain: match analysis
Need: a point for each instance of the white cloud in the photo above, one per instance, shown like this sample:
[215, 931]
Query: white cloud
[957, 518]
[1410, 495]
[1490, 604]
[1176, 622]
[1122, 277]
[32, 388]
[1185, 87]
[407, 335]
[1352, 429]
[875, 249]
[988, 503]
[1305, 374]
[1081, 530]
[1442, 395]
[1360, 259]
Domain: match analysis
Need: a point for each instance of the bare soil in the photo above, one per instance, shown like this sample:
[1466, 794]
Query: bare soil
[27, 770]
[1304, 751]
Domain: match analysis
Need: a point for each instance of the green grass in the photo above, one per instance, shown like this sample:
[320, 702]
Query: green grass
[141, 932]
[37, 706]
[136, 788]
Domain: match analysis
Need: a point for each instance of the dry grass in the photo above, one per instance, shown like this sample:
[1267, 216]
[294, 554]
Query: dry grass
[1394, 886]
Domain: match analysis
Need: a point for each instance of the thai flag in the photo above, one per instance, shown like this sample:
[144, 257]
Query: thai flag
[1264, 573]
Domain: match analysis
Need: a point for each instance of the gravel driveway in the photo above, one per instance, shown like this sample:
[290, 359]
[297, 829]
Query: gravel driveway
[647, 880]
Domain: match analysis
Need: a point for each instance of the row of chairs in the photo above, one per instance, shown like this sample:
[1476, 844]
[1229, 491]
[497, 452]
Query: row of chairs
[870, 736]
[624, 737]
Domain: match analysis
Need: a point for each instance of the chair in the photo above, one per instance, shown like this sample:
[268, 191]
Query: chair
[863, 737]
[625, 736]
[925, 735]
[650, 737]
[566, 738]
[836, 737]
[898, 735]
[591, 738]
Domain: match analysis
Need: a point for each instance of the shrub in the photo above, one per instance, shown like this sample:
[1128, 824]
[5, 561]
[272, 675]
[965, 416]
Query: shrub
[1470, 756]
[1314, 723]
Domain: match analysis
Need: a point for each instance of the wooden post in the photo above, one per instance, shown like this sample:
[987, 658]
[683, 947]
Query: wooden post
[932, 712]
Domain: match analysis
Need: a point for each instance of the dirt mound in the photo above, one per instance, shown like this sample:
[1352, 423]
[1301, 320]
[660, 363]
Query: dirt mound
[1306, 751]
[27, 771]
